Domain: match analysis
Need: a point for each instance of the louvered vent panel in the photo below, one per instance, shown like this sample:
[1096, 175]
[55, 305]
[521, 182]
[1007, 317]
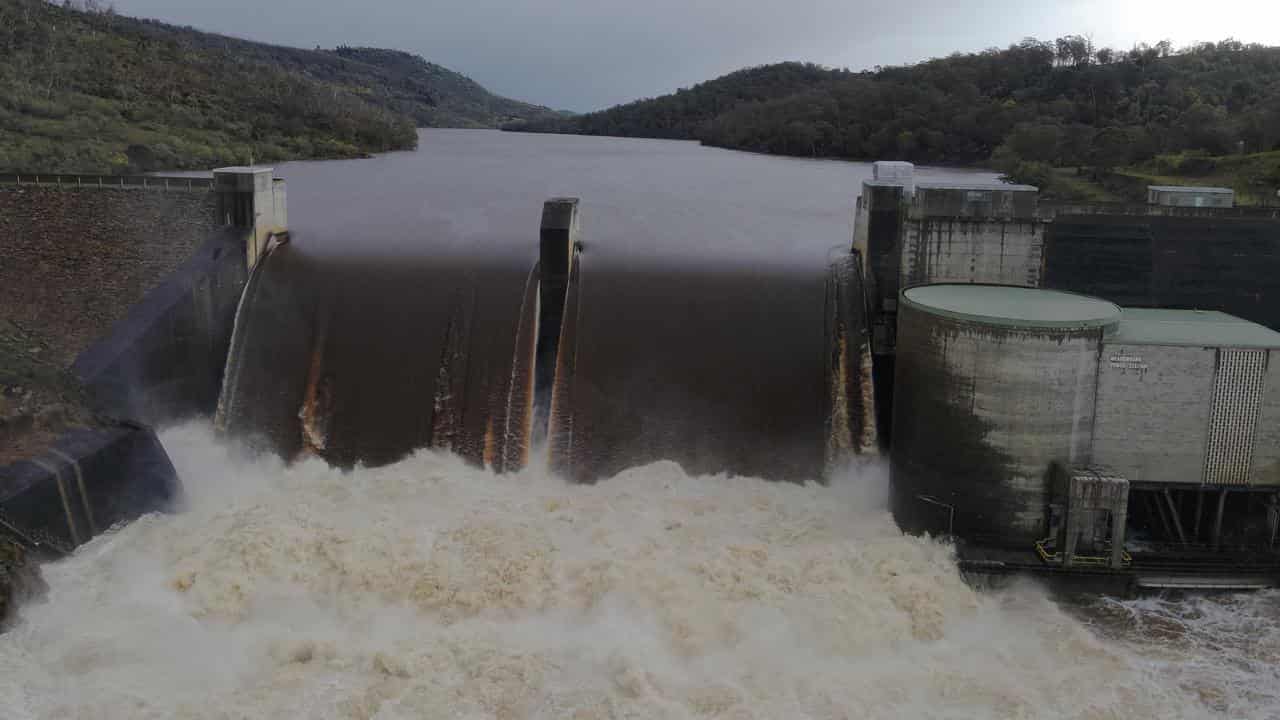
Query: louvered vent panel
[1233, 420]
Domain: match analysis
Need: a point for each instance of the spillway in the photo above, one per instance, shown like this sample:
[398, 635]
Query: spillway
[364, 359]
[716, 370]
[367, 356]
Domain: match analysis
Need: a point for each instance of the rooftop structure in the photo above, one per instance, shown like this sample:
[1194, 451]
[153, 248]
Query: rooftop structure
[892, 170]
[1010, 187]
[1013, 306]
[1190, 328]
[967, 201]
[896, 173]
[1184, 196]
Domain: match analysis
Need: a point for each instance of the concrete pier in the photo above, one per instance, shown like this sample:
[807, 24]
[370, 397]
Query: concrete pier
[559, 239]
[253, 199]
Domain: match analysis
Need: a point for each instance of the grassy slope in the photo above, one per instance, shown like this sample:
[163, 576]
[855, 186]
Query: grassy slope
[451, 99]
[1075, 184]
[1253, 177]
[94, 92]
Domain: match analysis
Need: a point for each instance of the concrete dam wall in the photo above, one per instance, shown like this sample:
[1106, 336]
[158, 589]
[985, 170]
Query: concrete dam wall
[1226, 260]
[132, 287]
[163, 360]
[77, 258]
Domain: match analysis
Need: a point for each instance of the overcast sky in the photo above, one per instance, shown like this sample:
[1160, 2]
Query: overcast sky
[590, 54]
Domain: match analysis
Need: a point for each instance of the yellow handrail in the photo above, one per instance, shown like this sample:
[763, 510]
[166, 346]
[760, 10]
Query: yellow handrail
[1043, 550]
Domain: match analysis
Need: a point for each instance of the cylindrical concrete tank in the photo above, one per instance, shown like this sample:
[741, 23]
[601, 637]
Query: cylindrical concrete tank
[993, 386]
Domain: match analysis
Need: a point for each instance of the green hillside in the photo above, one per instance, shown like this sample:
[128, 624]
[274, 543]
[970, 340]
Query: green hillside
[1027, 109]
[86, 90]
[434, 96]
[688, 113]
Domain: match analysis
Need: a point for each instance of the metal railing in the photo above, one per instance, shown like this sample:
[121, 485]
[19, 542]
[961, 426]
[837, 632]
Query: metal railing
[1050, 555]
[149, 182]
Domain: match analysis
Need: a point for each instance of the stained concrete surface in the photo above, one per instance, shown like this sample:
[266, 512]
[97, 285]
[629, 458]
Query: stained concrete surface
[73, 261]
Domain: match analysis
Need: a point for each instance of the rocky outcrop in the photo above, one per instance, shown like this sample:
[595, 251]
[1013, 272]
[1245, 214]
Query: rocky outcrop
[38, 401]
[66, 473]
[20, 578]
[38, 398]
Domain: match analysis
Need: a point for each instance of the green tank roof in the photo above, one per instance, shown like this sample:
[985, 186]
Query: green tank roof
[1192, 328]
[1012, 306]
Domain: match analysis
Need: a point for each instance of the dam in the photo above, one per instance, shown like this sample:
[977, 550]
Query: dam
[1001, 406]
[377, 574]
[596, 356]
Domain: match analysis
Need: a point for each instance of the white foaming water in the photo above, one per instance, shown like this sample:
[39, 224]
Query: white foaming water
[1222, 648]
[430, 589]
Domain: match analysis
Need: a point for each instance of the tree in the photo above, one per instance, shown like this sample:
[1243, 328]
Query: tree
[1036, 142]
[1204, 127]
[1074, 50]
[1118, 146]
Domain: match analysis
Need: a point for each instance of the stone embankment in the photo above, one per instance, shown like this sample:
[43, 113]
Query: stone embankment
[74, 262]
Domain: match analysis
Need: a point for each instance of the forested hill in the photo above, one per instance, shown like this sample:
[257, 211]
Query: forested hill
[85, 90]
[688, 114]
[1063, 103]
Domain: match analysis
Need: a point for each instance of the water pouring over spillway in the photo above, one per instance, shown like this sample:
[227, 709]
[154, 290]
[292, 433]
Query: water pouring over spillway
[369, 360]
[365, 358]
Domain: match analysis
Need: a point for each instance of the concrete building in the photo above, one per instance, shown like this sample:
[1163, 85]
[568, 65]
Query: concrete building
[1180, 196]
[994, 386]
[966, 233]
[1189, 397]
[970, 233]
[1211, 257]
[1039, 418]
[254, 199]
[895, 173]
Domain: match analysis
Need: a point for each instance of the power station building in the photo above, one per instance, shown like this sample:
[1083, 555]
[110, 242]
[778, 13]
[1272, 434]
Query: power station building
[1042, 420]
[1043, 427]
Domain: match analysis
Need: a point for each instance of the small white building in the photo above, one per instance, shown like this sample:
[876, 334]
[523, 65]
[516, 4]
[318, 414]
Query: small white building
[897, 173]
[1180, 196]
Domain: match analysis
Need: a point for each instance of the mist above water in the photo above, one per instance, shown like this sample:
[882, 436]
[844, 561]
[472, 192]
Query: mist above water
[429, 588]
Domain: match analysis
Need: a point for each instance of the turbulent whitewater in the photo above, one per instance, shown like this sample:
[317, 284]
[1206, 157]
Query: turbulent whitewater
[432, 589]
